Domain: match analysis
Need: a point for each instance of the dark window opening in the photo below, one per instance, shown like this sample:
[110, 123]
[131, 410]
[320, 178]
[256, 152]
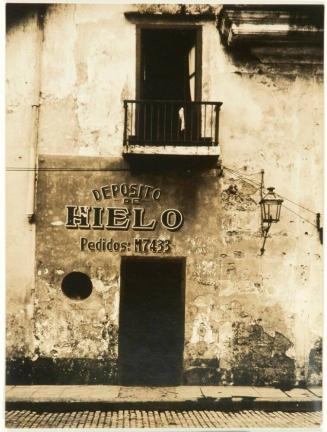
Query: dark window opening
[76, 286]
[168, 67]
[167, 87]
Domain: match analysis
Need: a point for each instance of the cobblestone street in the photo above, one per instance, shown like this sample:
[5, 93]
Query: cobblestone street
[162, 419]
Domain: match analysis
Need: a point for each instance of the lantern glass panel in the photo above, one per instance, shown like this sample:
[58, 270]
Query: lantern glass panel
[270, 207]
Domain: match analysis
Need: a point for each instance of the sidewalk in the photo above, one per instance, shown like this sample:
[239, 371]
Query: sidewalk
[186, 397]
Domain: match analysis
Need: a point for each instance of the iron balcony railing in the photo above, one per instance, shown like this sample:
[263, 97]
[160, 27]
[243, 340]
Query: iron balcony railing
[171, 123]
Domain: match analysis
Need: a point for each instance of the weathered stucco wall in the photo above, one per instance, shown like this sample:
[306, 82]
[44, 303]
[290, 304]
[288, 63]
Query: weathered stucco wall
[272, 120]
[82, 96]
[88, 329]
[22, 93]
[250, 319]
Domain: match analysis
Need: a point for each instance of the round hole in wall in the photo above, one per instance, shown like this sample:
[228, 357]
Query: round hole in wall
[76, 286]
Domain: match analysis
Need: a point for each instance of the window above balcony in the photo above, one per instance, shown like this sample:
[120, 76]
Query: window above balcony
[167, 116]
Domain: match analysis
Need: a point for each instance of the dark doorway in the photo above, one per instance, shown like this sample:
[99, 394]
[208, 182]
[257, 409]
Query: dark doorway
[168, 84]
[168, 64]
[151, 321]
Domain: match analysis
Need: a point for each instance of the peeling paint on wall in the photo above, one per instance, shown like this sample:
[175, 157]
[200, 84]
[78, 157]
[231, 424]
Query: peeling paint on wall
[245, 323]
[315, 364]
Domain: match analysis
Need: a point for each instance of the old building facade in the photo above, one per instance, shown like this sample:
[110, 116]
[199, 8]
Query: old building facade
[136, 140]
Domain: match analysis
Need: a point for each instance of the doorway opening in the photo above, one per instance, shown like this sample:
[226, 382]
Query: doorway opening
[169, 64]
[151, 321]
[168, 95]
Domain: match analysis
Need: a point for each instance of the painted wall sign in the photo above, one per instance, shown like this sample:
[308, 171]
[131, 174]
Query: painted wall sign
[119, 218]
[131, 193]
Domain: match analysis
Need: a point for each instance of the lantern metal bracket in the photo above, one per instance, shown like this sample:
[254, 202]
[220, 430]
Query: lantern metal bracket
[270, 210]
[265, 231]
[262, 186]
[319, 227]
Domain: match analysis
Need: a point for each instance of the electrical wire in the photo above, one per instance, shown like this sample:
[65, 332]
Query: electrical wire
[249, 181]
[306, 220]
[299, 205]
[281, 196]
[245, 174]
[64, 169]
[236, 173]
[287, 208]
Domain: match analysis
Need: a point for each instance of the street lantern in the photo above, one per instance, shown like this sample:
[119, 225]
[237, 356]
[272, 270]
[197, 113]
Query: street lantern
[270, 207]
[270, 213]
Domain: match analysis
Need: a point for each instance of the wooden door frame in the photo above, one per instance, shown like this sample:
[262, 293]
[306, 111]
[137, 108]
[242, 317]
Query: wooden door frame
[198, 54]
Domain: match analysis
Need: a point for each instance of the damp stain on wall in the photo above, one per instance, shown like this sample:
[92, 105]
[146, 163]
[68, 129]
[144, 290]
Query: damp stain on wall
[242, 326]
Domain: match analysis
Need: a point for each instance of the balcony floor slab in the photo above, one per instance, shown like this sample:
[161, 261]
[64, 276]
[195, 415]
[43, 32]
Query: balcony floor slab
[172, 150]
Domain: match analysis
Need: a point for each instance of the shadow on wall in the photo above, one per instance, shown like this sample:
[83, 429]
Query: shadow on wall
[16, 13]
[315, 364]
[254, 358]
[259, 358]
[55, 371]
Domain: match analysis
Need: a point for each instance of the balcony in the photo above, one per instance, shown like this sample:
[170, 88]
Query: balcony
[169, 127]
